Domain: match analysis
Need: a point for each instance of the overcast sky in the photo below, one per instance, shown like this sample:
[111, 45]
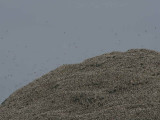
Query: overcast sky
[37, 36]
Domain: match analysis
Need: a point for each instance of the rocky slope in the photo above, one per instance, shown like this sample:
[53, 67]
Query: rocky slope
[116, 85]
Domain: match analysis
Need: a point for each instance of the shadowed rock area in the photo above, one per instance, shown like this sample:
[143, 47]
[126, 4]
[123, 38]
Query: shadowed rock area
[112, 86]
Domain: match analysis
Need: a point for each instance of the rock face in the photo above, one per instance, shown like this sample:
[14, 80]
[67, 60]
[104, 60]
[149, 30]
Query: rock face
[112, 86]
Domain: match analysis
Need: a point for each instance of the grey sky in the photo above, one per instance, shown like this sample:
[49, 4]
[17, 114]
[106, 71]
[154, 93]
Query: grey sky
[37, 36]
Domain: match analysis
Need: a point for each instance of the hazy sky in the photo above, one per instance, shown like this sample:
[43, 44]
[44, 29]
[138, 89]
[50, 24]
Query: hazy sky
[37, 36]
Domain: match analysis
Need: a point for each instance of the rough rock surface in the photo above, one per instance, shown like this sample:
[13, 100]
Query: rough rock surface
[112, 86]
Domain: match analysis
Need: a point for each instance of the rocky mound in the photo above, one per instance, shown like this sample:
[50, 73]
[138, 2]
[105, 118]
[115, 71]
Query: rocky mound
[112, 86]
